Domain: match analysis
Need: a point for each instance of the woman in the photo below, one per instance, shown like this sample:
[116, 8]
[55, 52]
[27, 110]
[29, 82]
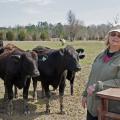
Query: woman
[105, 73]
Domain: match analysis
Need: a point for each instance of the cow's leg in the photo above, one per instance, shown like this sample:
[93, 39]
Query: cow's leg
[6, 92]
[71, 88]
[15, 92]
[10, 107]
[10, 98]
[61, 93]
[71, 85]
[34, 90]
[43, 91]
[47, 93]
[25, 96]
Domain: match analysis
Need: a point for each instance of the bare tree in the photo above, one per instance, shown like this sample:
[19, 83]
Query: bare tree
[73, 25]
[116, 21]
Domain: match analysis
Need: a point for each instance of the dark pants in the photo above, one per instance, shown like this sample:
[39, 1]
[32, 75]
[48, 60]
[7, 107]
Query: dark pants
[90, 117]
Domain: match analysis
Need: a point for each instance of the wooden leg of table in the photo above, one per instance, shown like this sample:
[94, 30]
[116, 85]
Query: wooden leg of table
[99, 113]
[102, 109]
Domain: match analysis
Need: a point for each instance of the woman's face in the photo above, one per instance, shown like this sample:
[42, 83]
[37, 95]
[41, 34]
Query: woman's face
[114, 38]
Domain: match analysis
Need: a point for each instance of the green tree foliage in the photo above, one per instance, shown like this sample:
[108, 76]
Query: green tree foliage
[22, 35]
[43, 26]
[1, 35]
[44, 35]
[59, 30]
[74, 29]
[34, 36]
[10, 35]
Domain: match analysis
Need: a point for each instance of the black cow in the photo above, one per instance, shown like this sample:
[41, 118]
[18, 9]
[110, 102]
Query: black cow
[52, 66]
[70, 74]
[16, 66]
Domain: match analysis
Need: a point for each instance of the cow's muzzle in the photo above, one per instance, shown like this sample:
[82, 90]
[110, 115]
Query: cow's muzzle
[78, 68]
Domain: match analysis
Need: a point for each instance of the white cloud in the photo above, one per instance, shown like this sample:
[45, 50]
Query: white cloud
[39, 2]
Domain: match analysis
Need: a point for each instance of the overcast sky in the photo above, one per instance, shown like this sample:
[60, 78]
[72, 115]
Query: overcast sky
[24, 12]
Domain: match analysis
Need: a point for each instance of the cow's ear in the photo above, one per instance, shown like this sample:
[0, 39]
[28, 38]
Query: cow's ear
[16, 58]
[81, 53]
[61, 52]
[34, 54]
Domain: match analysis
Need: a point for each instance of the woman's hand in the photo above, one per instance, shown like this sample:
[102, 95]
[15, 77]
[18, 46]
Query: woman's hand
[91, 89]
[84, 102]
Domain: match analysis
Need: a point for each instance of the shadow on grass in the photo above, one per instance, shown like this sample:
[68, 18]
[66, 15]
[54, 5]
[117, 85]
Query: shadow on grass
[18, 111]
[54, 95]
[41, 100]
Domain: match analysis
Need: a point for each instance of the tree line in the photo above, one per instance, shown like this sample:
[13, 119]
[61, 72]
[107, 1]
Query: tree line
[73, 30]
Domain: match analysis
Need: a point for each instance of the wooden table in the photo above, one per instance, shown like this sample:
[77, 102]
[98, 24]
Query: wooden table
[105, 96]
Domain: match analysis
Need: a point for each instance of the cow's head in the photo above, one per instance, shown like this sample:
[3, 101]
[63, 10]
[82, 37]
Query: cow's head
[30, 63]
[81, 53]
[71, 59]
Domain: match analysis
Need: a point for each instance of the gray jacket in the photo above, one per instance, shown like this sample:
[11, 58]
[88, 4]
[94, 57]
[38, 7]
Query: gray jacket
[109, 75]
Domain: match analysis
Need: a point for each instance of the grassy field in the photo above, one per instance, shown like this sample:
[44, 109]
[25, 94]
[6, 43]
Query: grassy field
[72, 104]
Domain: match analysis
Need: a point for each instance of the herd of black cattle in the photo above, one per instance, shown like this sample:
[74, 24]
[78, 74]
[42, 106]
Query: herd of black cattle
[50, 66]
